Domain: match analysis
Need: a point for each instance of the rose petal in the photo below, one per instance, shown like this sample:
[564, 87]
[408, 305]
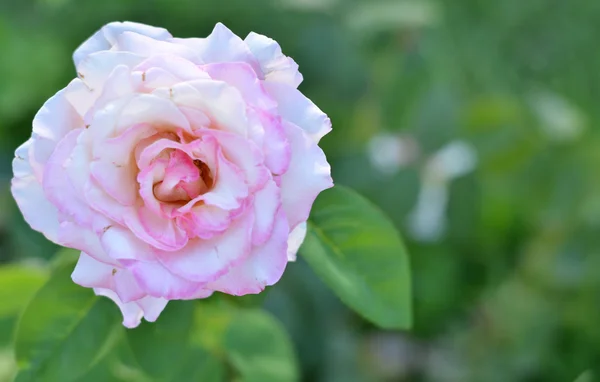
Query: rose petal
[106, 37]
[91, 273]
[274, 65]
[222, 45]
[295, 240]
[157, 281]
[132, 312]
[308, 175]
[147, 46]
[51, 123]
[219, 101]
[296, 108]
[38, 212]
[266, 203]
[205, 260]
[263, 267]
[241, 76]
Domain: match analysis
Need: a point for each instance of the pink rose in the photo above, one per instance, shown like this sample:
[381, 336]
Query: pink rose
[179, 167]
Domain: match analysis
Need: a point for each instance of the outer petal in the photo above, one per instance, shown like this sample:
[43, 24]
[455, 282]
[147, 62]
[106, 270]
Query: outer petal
[275, 66]
[263, 267]
[59, 189]
[266, 204]
[157, 281]
[147, 46]
[295, 240]
[308, 175]
[106, 37]
[222, 45]
[93, 274]
[242, 77]
[51, 123]
[219, 101]
[296, 108]
[97, 67]
[28, 193]
[147, 307]
[119, 243]
[132, 312]
[205, 260]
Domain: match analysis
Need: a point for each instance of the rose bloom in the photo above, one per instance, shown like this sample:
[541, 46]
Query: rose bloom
[179, 167]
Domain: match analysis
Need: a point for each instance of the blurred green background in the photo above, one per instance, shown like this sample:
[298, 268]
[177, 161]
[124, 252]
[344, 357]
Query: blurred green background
[472, 123]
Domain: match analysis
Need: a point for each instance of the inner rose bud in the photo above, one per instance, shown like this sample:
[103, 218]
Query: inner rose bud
[185, 179]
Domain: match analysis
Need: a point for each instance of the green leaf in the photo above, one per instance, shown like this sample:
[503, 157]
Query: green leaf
[18, 283]
[259, 348]
[161, 348]
[64, 331]
[356, 250]
[201, 366]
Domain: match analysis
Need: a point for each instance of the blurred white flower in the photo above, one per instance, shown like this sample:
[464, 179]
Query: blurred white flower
[560, 120]
[454, 160]
[427, 221]
[390, 152]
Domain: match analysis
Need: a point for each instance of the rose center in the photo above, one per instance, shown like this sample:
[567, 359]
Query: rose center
[185, 179]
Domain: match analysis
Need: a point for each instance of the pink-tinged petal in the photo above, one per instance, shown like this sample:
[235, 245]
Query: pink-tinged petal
[271, 137]
[275, 66]
[164, 234]
[147, 178]
[197, 118]
[38, 212]
[296, 108]
[263, 267]
[118, 85]
[119, 243]
[51, 123]
[295, 240]
[266, 204]
[114, 169]
[97, 67]
[91, 273]
[118, 116]
[152, 307]
[74, 236]
[157, 281]
[146, 46]
[245, 155]
[229, 189]
[106, 37]
[157, 68]
[222, 45]
[80, 96]
[57, 187]
[241, 76]
[205, 260]
[222, 103]
[117, 180]
[308, 175]
[131, 311]
[205, 221]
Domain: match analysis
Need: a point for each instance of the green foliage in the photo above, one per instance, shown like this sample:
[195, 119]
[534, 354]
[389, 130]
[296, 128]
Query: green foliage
[171, 334]
[259, 349]
[356, 250]
[18, 283]
[64, 330]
